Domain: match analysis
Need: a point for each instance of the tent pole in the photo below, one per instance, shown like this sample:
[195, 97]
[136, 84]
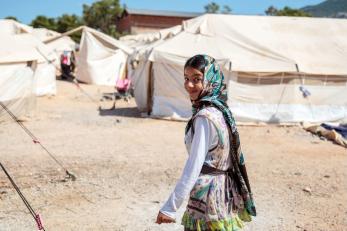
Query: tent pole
[325, 80]
[230, 78]
[258, 79]
[303, 83]
[298, 72]
[150, 89]
[230, 75]
[64, 34]
[273, 117]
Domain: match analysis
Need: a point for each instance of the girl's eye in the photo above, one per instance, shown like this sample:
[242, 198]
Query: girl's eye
[197, 80]
[186, 79]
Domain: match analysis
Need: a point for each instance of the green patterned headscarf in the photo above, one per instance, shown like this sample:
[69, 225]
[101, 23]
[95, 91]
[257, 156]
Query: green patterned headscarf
[214, 91]
[214, 94]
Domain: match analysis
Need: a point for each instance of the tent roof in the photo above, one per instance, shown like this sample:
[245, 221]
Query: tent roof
[10, 27]
[44, 34]
[148, 38]
[22, 48]
[163, 13]
[61, 44]
[106, 38]
[118, 44]
[262, 43]
[20, 31]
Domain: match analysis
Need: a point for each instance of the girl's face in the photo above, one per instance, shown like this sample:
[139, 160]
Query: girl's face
[193, 82]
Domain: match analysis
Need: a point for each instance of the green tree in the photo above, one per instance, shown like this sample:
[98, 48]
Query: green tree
[12, 17]
[286, 11]
[212, 8]
[102, 15]
[42, 21]
[68, 22]
[226, 9]
[272, 11]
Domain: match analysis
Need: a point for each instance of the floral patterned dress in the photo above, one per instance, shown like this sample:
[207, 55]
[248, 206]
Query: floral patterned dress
[208, 207]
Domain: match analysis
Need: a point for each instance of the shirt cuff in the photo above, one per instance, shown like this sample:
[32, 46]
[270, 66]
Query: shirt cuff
[169, 214]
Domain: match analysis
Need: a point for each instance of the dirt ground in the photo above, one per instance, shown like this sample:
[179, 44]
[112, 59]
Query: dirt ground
[127, 165]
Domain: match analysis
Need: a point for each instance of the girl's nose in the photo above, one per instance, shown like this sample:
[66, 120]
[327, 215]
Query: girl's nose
[190, 84]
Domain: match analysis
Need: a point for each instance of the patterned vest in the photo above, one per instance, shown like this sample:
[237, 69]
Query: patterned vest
[217, 156]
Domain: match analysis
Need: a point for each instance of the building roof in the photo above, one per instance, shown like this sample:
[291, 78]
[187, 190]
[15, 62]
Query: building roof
[163, 13]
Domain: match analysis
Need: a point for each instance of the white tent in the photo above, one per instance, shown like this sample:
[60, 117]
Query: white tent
[101, 59]
[58, 46]
[9, 26]
[138, 63]
[19, 56]
[46, 82]
[45, 74]
[64, 43]
[269, 62]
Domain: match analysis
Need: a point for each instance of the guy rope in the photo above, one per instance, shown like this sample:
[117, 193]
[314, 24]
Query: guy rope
[36, 141]
[35, 215]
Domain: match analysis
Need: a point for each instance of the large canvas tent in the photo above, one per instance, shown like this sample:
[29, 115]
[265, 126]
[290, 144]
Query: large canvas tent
[64, 43]
[278, 69]
[20, 56]
[9, 26]
[45, 74]
[101, 59]
[46, 82]
[139, 66]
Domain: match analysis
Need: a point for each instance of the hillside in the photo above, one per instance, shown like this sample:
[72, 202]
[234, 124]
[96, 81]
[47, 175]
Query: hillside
[328, 8]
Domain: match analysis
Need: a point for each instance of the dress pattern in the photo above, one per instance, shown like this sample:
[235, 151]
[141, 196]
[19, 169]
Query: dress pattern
[208, 207]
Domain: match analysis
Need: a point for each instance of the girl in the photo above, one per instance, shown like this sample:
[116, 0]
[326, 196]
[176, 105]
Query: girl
[214, 176]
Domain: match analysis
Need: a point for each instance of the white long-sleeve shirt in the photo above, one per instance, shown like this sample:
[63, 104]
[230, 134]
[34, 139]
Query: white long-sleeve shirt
[205, 137]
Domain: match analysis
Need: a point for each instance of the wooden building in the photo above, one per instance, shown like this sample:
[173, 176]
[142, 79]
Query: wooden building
[140, 21]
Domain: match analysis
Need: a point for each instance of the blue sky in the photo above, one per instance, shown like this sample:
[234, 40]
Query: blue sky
[27, 10]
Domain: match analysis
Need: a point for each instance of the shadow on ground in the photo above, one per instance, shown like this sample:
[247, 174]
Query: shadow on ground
[125, 112]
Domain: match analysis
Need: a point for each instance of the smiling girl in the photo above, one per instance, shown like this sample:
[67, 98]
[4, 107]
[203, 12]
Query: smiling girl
[214, 177]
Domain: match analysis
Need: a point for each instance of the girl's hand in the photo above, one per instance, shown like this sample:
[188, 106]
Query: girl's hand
[162, 218]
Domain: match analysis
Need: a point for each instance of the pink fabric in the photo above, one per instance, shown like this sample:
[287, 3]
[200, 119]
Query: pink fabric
[123, 84]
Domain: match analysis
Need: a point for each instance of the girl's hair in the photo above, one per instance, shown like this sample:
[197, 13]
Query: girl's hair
[197, 62]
